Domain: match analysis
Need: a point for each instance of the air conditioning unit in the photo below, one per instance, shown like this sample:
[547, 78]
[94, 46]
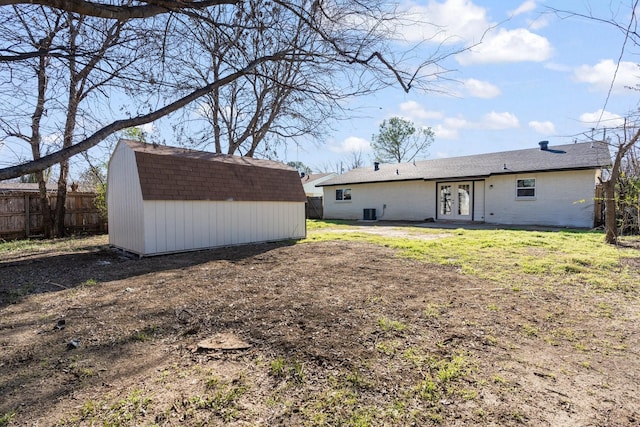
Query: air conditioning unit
[369, 214]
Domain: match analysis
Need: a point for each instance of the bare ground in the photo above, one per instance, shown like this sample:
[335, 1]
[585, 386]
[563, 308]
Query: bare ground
[332, 333]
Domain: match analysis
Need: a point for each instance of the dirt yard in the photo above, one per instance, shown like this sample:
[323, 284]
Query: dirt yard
[329, 333]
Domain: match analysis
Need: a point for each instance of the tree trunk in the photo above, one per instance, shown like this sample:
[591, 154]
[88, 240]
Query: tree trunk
[610, 219]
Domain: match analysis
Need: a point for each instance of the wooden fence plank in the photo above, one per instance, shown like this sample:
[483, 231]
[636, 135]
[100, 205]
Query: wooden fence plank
[21, 216]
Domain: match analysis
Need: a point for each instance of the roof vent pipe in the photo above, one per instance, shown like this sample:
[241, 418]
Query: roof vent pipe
[544, 145]
[376, 166]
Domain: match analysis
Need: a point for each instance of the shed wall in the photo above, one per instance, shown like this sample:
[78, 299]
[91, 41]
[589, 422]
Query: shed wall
[408, 201]
[124, 201]
[173, 226]
[562, 199]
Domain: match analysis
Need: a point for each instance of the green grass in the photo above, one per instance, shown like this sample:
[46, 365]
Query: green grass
[510, 257]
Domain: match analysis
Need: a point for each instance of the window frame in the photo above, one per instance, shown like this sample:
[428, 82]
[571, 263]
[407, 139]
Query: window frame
[526, 188]
[344, 191]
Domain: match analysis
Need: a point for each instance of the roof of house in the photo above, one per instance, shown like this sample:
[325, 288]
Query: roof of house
[311, 177]
[29, 187]
[555, 158]
[172, 173]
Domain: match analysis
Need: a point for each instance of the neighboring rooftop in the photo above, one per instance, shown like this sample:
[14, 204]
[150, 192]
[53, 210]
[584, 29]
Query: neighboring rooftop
[172, 173]
[306, 178]
[29, 187]
[546, 158]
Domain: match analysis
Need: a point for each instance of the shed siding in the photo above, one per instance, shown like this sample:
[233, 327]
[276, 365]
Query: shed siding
[124, 201]
[562, 199]
[408, 201]
[186, 225]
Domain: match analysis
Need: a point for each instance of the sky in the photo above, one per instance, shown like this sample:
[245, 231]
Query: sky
[531, 76]
[528, 75]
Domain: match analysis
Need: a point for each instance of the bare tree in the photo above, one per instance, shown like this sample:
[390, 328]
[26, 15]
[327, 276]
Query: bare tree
[630, 133]
[626, 141]
[349, 38]
[77, 57]
[276, 102]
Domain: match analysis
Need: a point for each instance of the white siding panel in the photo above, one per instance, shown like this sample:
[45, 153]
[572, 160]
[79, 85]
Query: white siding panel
[190, 225]
[562, 199]
[478, 201]
[409, 200]
[124, 201]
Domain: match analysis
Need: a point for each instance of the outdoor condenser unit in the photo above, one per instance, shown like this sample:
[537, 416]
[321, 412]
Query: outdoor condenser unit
[369, 214]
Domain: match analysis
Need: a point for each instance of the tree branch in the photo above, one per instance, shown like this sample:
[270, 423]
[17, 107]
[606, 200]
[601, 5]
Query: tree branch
[122, 12]
[93, 140]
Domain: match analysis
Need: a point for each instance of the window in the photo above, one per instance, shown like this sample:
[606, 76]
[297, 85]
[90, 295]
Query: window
[343, 194]
[445, 200]
[526, 188]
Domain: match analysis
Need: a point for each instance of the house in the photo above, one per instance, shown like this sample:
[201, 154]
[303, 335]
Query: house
[166, 199]
[309, 182]
[543, 186]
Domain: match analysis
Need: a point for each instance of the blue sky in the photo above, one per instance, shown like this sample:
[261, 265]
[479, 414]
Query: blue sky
[534, 76]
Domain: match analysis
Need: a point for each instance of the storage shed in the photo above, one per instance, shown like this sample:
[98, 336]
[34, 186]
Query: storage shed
[166, 199]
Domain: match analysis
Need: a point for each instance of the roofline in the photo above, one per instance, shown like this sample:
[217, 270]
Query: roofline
[467, 177]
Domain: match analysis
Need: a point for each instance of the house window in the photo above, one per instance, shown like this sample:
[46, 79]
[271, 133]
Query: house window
[526, 188]
[343, 194]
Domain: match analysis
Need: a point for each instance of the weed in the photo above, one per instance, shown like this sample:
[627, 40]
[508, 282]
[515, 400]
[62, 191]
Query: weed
[530, 330]
[145, 334]
[388, 347]
[434, 311]
[498, 379]
[15, 295]
[5, 419]
[127, 410]
[89, 283]
[290, 370]
[387, 325]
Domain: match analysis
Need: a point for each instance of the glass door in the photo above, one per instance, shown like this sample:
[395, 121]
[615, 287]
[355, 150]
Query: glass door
[455, 201]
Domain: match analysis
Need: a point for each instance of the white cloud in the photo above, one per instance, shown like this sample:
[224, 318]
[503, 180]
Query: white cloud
[541, 21]
[599, 76]
[481, 89]
[601, 118]
[147, 128]
[449, 22]
[525, 7]
[352, 144]
[443, 132]
[508, 46]
[451, 126]
[497, 121]
[414, 111]
[464, 23]
[545, 128]
[52, 140]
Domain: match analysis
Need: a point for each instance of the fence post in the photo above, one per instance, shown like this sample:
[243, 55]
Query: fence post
[27, 215]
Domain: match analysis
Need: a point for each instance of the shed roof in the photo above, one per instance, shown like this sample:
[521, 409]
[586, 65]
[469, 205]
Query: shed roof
[561, 157]
[172, 173]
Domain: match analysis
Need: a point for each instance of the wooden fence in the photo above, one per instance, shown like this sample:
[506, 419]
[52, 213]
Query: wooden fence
[21, 214]
[314, 207]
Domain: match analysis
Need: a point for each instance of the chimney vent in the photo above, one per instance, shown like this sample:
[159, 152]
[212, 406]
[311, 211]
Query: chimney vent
[544, 145]
[376, 166]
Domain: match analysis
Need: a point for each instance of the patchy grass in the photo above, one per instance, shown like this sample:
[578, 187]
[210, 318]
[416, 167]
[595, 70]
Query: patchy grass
[510, 257]
[354, 326]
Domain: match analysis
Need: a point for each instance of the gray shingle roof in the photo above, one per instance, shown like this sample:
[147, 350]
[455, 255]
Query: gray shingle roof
[555, 158]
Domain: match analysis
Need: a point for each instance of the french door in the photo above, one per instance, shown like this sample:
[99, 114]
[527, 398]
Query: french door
[454, 200]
